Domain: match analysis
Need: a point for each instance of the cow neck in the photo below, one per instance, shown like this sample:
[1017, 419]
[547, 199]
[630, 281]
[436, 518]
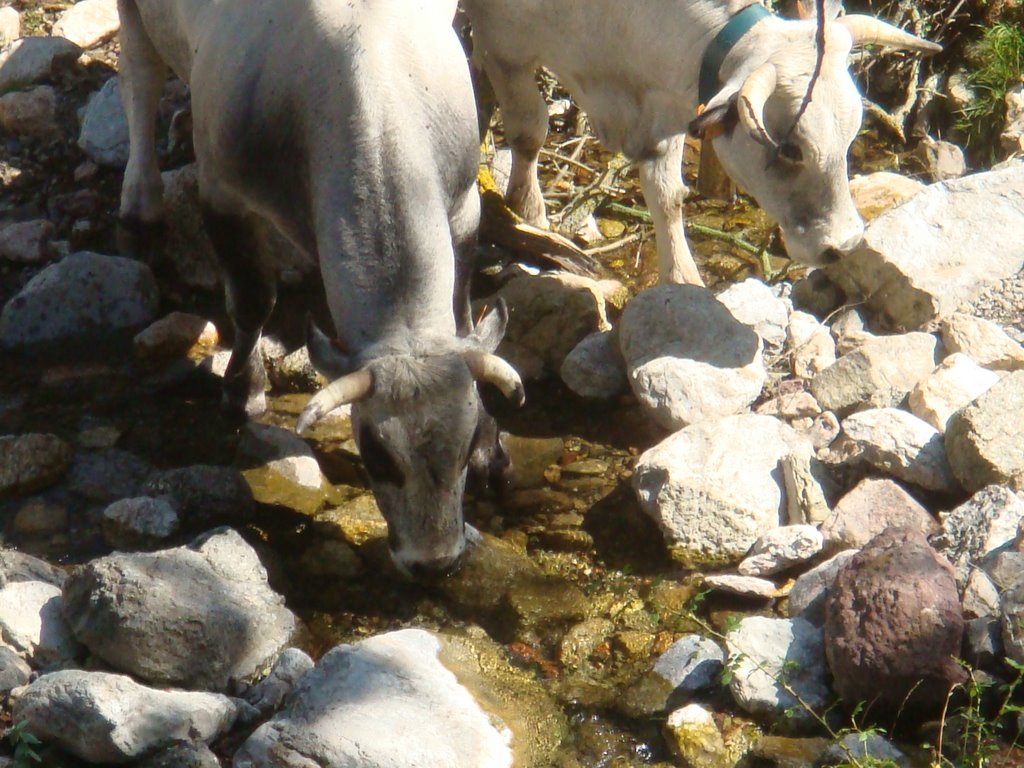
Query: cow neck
[724, 42]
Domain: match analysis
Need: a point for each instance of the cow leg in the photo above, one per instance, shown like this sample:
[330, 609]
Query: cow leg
[250, 290]
[141, 81]
[525, 117]
[661, 181]
[464, 222]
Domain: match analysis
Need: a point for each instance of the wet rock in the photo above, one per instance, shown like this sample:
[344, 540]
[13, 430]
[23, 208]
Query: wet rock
[393, 700]
[867, 746]
[955, 383]
[873, 505]
[1013, 623]
[984, 446]
[14, 671]
[985, 342]
[540, 605]
[902, 445]
[358, 521]
[40, 517]
[789, 751]
[31, 462]
[31, 624]
[550, 314]
[894, 628]
[10, 25]
[581, 640]
[691, 664]
[105, 718]
[31, 59]
[923, 260]
[978, 529]
[753, 303]
[807, 596]
[203, 492]
[742, 586]
[176, 335]
[531, 457]
[270, 692]
[108, 475]
[1012, 137]
[183, 755]
[803, 477]
[332, 559]
[139, 522]
[26, 242]
[943, 160]
[694, 738]
[875, 193]
[89, 22]
[17, 566]
[688, 359]
[282, 451]
[80, 301]
[781, 548]
[879, 373]
[104, 134]
[980, 596]
[712, 487]
[196, 616]
[30, 113]
[762, 652]
[594, 367]
[810, 345]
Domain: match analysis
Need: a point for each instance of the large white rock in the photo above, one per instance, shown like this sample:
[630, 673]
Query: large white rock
[32, 625]
[955, 383]
[385, 702]
[688, 359]
[713, 487]
[985, 342]
[985, 440]
[875, 193]
[32, 59]
[901, 444]
[753, 303]
[781, 548]
[104, 134]
[10, 25]
[921, 261]
[105, 718]
[594, 367]
[809, 344]
[89, 22]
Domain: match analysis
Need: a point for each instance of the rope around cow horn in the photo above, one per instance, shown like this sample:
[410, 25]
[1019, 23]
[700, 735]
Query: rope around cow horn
[350, 388]
[492, 369]
[751, 100]
[867, 30]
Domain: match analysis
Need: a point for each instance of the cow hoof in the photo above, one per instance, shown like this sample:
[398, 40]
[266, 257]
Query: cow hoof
[140, 240]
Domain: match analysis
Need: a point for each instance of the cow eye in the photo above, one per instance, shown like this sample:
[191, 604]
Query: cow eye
[789, 152]
[377, 460]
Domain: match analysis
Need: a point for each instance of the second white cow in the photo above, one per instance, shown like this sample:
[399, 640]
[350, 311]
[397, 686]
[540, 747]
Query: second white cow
[638, 69]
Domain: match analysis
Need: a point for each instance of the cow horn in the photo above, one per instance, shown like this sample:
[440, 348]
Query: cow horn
[752, 97]
[490, 368]
[348, 389]
[867, 30]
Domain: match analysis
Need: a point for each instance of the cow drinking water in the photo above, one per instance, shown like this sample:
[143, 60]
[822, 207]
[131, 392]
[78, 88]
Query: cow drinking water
[641, 70]
[350, 126]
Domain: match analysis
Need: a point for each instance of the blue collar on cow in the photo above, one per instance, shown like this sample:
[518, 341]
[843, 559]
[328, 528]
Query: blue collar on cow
[724, 41]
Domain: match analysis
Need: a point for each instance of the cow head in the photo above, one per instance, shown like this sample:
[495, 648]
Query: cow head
[418, 423]
[796, 168]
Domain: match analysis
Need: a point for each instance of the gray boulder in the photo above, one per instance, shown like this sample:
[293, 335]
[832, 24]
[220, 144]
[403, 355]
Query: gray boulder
[14, 671]
[807, 597]
[714, 487]
[26, 242]
[985, 342]
[17, 566]
[901, 444]
[30, 113]
[955, 383]
[203, 492]
[104, 134]
[984, 445]
[753, 303]
[1013, 623]
[690, 665]
[197, 616]
[393, 700]
[139, 522]
[79, 302]
[687, 358]
[270, 692]
[31, 59]
[31, 462]
[107, 475]
[981, 527]
[105, 718]
[923, 260]
[873, 505]
[594, 367]
[32, 625]
[782, 548]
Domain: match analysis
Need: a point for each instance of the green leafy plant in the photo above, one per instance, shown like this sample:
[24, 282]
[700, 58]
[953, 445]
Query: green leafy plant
[995, 65]
[24, 745]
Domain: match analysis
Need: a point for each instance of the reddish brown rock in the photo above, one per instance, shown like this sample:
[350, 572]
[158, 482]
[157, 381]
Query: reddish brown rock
[893, 629]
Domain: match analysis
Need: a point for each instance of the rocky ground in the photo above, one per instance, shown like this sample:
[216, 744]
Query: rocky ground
[747, 525]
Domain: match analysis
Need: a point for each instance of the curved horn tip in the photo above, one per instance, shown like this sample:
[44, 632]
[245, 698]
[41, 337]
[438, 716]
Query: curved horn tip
[309, 416]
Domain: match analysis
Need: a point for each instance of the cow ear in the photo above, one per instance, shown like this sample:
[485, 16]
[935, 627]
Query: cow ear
[490, 329]
[325, 356]
[718, 113]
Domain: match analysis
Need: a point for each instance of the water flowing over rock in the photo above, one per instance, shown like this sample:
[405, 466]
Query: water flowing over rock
[879, 373]
[83, 300]
[901, 444]
[955, 383]
[763, 652]
[105, 718]
[714, 487]
[196, 616]
[985, 446]
[687, 358]
[393, 700]
[873, 505]
[894, 628]
[921, 261]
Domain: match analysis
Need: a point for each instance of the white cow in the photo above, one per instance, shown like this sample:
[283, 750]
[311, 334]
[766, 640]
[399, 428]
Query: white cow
[350, 125]
[636, 69]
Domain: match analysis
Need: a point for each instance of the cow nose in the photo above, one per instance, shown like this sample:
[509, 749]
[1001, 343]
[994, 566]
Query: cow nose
[432, 569]
[831, 256]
